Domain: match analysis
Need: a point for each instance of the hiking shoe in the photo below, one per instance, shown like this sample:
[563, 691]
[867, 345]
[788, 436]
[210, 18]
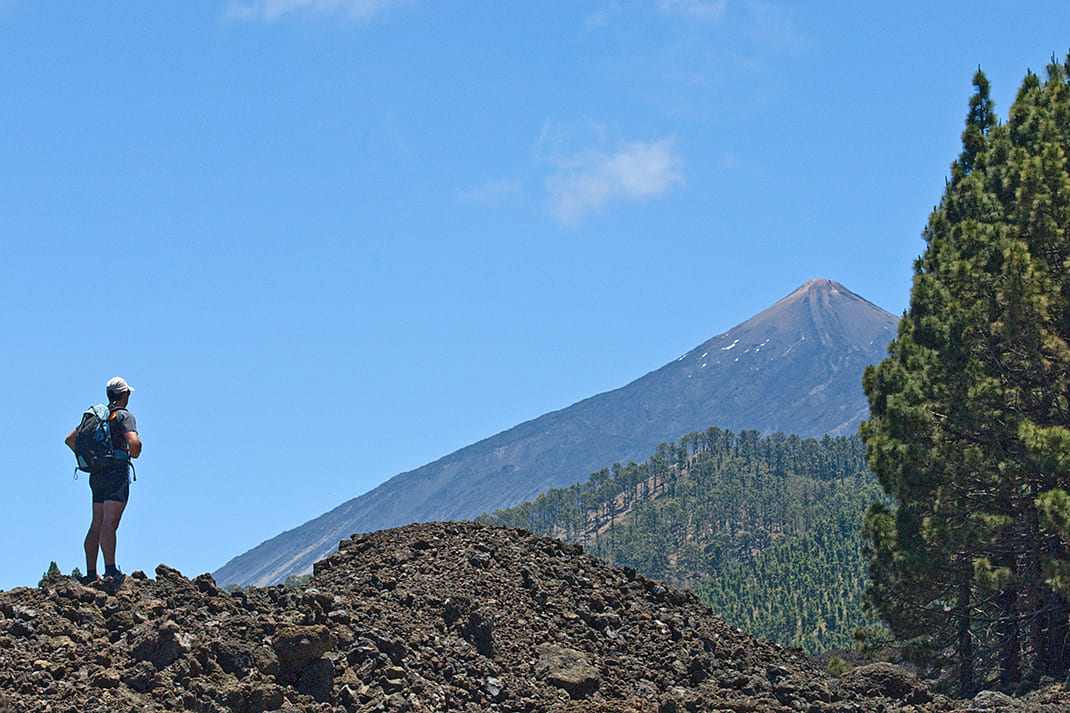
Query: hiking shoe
[88, 579]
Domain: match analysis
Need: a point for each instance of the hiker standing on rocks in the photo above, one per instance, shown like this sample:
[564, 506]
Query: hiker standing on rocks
[110, 485]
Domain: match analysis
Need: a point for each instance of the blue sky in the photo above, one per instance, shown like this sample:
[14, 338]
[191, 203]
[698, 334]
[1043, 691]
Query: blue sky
[328, 241]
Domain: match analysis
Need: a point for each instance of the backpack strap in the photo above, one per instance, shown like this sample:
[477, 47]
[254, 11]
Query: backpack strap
[112, 416]
[133, 471]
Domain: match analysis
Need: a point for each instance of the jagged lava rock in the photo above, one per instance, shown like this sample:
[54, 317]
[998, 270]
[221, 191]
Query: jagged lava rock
[429, 617]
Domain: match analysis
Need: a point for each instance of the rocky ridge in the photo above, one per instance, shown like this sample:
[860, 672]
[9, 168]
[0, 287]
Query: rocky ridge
[428, 617]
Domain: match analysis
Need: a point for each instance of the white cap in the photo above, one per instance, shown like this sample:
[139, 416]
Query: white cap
[118, 385]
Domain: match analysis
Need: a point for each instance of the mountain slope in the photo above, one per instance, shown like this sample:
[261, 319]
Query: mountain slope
[796, 367]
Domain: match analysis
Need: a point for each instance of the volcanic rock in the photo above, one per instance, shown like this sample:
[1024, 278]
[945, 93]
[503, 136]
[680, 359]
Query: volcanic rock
[430, 617]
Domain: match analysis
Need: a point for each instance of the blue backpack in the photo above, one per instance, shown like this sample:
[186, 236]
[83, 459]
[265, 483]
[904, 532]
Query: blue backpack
[94, 448]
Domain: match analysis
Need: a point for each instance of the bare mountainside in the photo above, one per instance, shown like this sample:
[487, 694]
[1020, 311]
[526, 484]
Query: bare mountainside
[796, 367]
[429, 617]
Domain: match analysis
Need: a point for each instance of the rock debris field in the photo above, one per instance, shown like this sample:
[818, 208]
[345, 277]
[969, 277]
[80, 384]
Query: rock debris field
[428, 617]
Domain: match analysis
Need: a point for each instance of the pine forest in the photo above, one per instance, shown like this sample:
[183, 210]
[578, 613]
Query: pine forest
[969, 427]
[765, 530]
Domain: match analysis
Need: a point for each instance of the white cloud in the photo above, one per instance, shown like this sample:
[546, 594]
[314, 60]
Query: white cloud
[602, 16]
[585, 183]
[771, 27]
[705, 10]
[489, 192]
[274, 9]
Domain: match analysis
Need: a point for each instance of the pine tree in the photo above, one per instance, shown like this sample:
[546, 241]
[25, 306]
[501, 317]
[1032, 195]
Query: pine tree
[968, 428]
[51, 574]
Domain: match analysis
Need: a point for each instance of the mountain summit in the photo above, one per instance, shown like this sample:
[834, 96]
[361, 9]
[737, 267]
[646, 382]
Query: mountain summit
[796, 367]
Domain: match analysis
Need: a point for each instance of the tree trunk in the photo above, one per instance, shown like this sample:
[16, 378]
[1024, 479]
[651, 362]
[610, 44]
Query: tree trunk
[1010, 661]
[964, 644]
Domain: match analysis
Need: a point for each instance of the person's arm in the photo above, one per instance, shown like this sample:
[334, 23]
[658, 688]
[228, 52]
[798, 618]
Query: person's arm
[71, 437]
[133, 443]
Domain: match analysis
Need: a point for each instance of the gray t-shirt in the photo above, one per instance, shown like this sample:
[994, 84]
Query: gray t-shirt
[125, 422]
[122, 423]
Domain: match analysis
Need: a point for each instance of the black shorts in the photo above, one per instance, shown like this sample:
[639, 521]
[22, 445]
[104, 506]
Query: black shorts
[110, 485]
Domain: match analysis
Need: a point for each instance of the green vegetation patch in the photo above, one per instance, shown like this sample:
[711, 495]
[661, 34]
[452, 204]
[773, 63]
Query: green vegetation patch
[765, 530]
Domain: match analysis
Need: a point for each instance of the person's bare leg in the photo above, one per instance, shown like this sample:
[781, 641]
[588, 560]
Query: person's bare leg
[92, 539]
[112, 513]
